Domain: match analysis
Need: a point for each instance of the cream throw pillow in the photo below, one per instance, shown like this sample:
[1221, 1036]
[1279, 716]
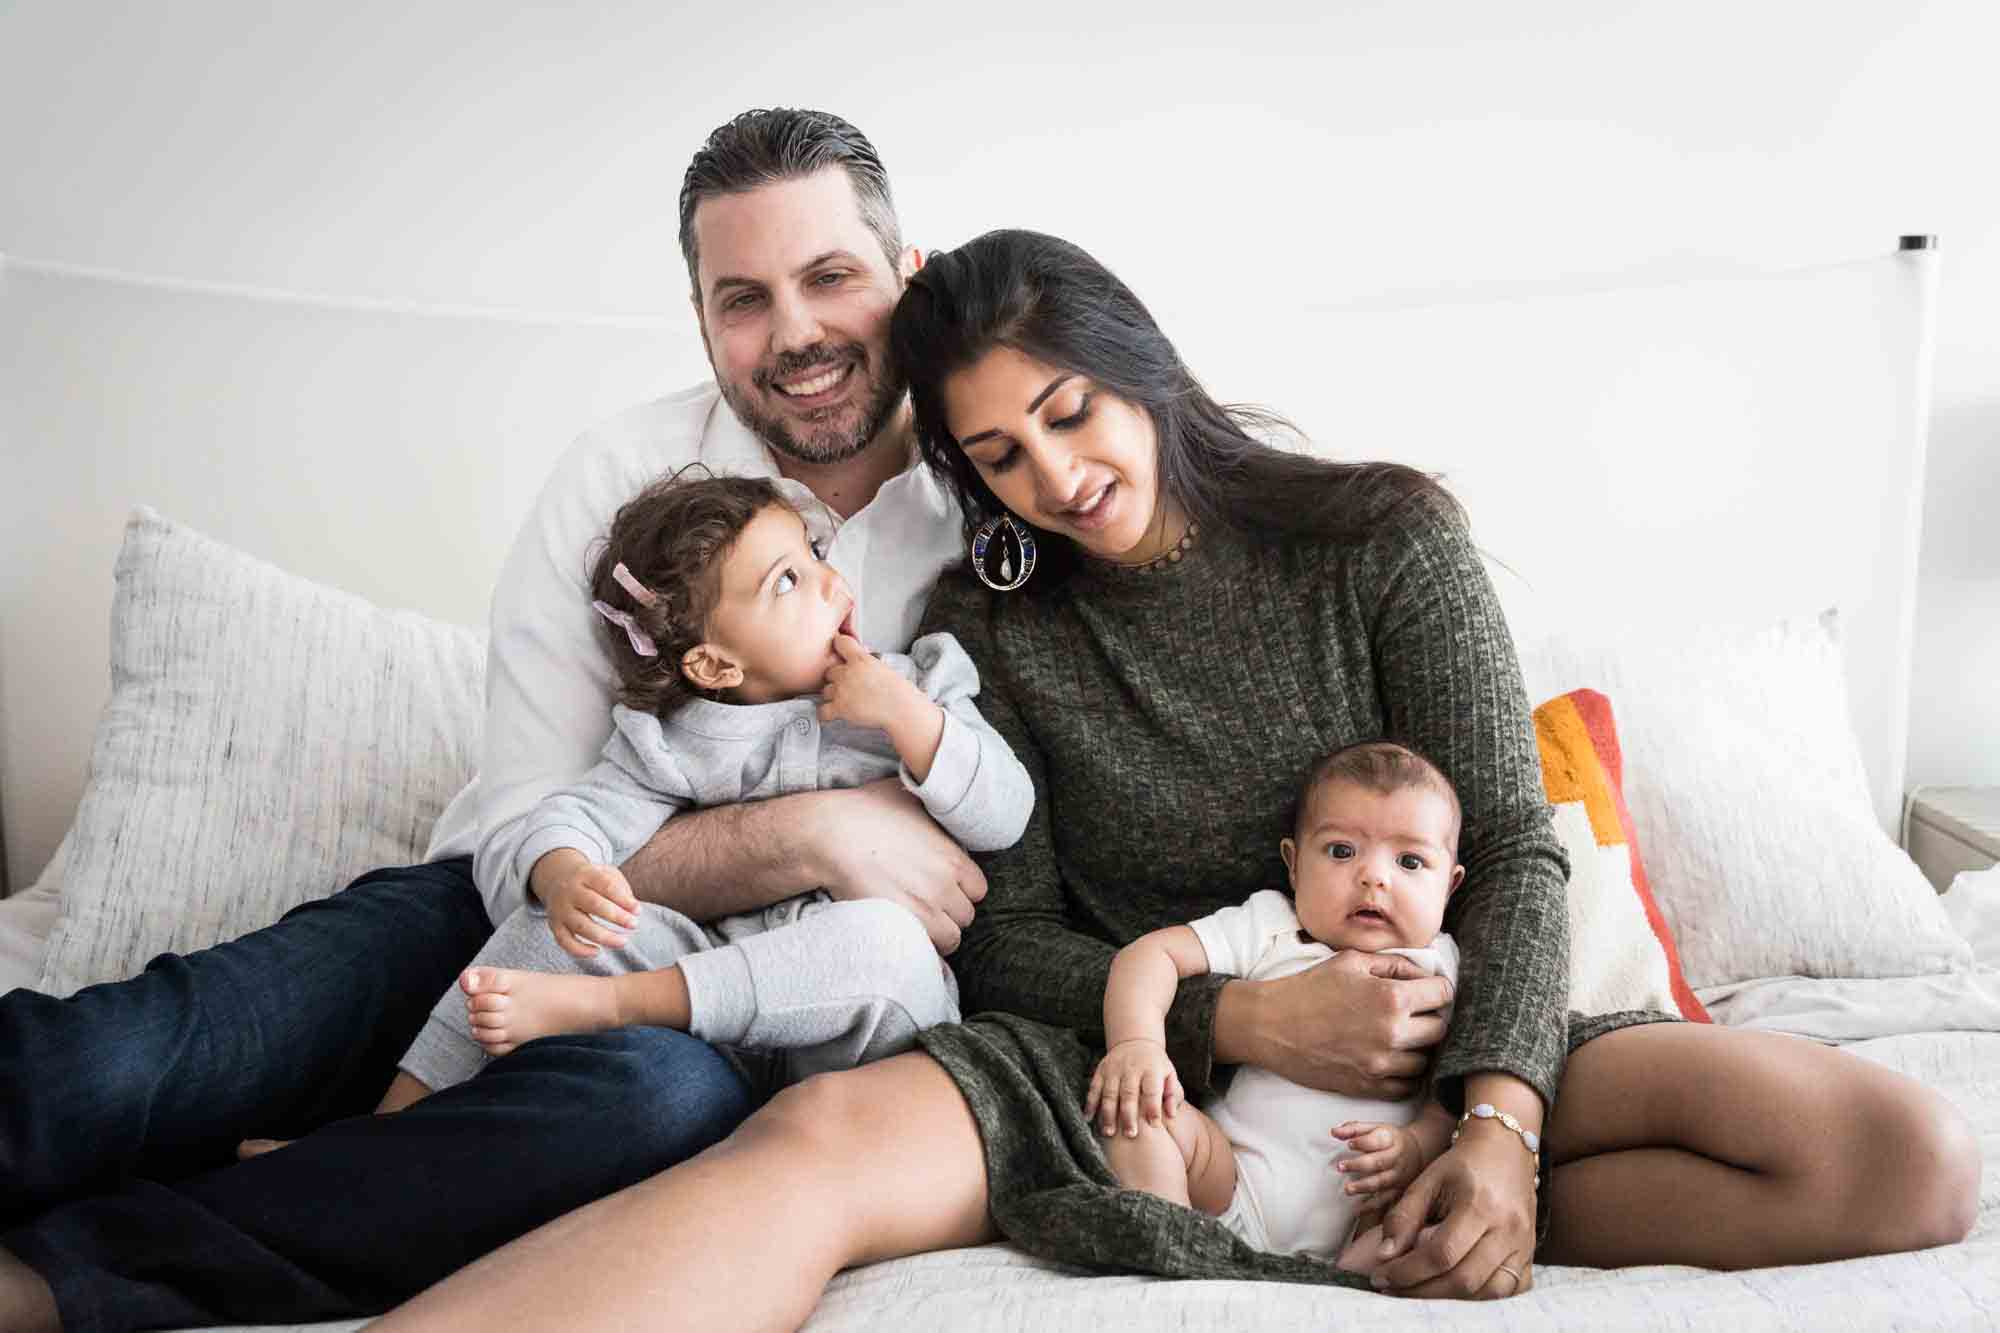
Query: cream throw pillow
[1746, 791]
[267, 740]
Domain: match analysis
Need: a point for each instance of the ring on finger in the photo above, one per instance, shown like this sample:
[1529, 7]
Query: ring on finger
[1511, 1273]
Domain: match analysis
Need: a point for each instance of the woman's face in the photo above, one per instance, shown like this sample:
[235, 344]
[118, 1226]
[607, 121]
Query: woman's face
[1063, 453]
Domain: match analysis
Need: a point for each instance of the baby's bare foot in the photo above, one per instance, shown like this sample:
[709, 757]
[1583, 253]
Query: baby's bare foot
[1364, 1253]
[508, 1007]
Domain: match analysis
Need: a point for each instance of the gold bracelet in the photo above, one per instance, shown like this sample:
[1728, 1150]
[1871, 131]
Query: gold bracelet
[1487, 1111]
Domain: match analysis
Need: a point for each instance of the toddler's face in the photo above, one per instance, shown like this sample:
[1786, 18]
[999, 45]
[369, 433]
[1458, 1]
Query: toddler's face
[1372, 871]
[780, 607]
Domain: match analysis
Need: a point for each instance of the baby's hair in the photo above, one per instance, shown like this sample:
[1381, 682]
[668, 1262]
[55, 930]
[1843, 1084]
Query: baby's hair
[1383, 767]
[672, 537]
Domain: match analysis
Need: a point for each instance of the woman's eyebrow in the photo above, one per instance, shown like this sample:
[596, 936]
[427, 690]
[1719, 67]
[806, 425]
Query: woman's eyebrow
[1040, 398]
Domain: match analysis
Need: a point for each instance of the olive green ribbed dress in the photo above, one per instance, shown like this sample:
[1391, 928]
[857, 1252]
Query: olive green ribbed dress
[1168, 716]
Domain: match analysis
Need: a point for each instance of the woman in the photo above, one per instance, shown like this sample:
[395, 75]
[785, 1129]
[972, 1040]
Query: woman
[1204, 617]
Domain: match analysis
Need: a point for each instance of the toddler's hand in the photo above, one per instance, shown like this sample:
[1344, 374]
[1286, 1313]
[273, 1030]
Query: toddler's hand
[588, 906]
[1134, 1081]
[863, 689]
[1384, 1160]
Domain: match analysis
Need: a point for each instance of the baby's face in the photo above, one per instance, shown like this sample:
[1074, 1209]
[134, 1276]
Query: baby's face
[780, 607]
[1371, 871]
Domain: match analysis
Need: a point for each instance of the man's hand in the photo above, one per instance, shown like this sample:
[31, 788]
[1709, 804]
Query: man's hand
[1357, 1024]
[878, 841]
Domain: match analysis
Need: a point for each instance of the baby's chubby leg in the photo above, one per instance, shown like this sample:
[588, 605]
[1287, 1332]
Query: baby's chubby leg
[1185, 1159]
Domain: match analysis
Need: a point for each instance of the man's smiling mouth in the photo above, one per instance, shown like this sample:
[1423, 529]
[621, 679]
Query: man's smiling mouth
[819, 382]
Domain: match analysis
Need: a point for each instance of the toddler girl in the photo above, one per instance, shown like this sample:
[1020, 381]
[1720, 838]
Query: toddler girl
[739, 678]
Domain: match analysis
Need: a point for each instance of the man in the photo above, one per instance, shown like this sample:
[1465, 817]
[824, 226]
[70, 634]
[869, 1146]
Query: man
[124, 1103]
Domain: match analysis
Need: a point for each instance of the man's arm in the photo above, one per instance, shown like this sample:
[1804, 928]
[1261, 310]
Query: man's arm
[873, 841]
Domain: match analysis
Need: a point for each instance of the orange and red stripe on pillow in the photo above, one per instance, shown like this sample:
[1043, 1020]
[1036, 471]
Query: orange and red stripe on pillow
[1582, 767]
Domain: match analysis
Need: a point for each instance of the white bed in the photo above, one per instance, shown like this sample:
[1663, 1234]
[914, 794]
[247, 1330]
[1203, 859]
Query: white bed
[1661, 474]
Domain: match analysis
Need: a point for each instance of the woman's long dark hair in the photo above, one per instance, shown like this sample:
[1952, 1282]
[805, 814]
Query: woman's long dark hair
[1049, 300]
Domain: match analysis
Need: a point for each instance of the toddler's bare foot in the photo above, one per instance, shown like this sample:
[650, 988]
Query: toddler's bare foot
[26, 1303]
[249, 1148]
[508, 1006]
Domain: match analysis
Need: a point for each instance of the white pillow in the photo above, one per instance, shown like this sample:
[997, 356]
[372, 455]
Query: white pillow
[267, 740]
[1747, 793]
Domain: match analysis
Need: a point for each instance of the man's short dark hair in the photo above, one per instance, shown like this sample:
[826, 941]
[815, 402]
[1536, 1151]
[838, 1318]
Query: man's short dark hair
[763, 147]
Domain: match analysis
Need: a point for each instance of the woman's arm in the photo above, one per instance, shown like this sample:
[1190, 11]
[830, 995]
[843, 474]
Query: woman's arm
[1450, 686]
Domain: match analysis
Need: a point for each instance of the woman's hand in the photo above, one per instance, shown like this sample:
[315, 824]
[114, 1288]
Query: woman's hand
[1466, 1226]
[1357, 1024]
[1134, 1082]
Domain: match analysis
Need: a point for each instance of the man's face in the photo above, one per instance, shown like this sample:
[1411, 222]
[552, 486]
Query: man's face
[794, 302]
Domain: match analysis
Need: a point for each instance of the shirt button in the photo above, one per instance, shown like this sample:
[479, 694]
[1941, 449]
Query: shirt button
[801, 726]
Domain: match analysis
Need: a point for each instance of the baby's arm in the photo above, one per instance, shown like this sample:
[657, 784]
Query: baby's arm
[1384, 1159]
[1136, 1080]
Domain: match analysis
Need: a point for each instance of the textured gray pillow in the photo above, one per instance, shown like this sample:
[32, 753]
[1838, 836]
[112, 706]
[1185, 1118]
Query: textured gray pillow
[268, 739]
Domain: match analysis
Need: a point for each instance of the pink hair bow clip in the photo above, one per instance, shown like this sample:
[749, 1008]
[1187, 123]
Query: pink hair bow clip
[641, 594]
[642, 642]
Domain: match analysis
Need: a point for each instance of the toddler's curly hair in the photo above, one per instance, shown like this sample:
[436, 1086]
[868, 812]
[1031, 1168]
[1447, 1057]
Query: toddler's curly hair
[672, 537]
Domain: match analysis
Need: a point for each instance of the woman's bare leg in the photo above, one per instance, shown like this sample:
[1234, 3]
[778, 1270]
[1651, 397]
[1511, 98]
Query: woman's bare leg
[843, 1169]
[1689, 1144]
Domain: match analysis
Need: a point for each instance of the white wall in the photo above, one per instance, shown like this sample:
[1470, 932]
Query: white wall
[467, 153]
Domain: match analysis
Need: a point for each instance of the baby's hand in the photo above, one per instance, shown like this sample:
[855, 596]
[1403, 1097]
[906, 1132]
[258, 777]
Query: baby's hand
[1135, 1080]
[582, 902]
[1386, 1158]
[863, 689]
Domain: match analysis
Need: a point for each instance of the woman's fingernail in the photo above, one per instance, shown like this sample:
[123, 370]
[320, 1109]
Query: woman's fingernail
[1378, 1282]
[1388, 1250]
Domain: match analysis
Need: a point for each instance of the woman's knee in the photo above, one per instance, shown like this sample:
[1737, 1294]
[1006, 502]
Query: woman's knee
[1931, 1194]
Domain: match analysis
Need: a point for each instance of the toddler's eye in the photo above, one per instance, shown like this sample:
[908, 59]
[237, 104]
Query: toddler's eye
[785, 583]
[1340, 851]
[818, 550]
[1410, 861]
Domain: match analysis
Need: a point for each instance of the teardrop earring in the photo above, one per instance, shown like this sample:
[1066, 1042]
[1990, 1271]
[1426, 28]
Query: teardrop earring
[1016, 552]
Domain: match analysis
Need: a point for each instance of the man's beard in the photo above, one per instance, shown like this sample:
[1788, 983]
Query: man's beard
[821, 444]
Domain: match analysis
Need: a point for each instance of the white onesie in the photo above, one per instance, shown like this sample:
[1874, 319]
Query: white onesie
[1288, 1196]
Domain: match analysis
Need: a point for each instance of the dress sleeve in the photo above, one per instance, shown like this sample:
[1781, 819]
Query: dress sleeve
[1450, 686]
[1022, 953]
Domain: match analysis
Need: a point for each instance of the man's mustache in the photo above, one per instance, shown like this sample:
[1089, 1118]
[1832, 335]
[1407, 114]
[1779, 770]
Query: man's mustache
[789, 364]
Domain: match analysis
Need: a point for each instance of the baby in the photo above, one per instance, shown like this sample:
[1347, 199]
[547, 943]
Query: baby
[1371, 863]
[739, 678]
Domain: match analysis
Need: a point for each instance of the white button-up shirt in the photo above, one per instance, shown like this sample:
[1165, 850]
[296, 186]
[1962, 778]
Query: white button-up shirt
[548, 682]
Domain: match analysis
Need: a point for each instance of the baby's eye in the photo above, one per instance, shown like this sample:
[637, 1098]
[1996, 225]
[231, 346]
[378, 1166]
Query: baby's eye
[1410, 861]
[818, 550]
[1340, 851]
[786, 582]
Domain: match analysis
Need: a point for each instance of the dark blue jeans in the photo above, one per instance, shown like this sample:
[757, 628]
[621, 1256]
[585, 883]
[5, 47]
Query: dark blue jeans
[121, 1106]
